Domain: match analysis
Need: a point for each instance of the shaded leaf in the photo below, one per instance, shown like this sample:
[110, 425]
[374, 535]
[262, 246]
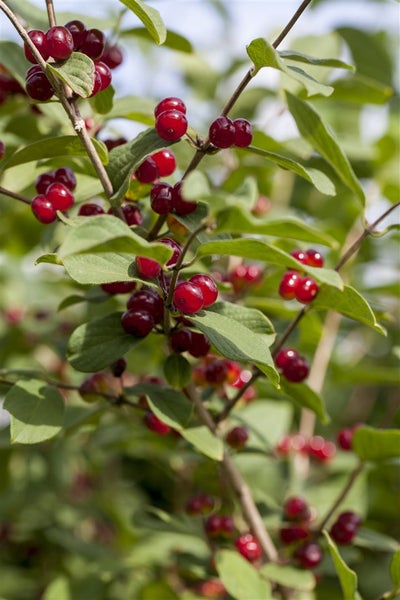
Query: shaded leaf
[310, 60]
[177, 370]
[376, 444]
[168, 404]
[239, 577]
[289, 576]
[13, 58]
[204, 441]
[306, 398]
[347, 577]
[375, 541]
[174, 40]
[361, 90]
[250, 317]
[102, 102]
[150, 18]
[395, 569]
[77, 72]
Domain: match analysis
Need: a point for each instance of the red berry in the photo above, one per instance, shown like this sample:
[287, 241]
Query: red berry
[306, 290]
[314, 258]
[155, 424]
[199, 504]
[59, 42]
[321, 449]
[296, 508]
[187, 298]
[296, 369]
[138, 323]
[243, 133]
[294, 533]
[243, 275]
[2, 149]
[43, 181]
[222, 132]
[147, 171]
[111, 144]
[96, 83]
[60, 196]
[93, 43]
[105, 74]
[171, 125]
[180, 340]
[180, 205]
[132, 214]
[207, 286]
[90, 210]
[149, 301]
[289, 284]
[349, 517]
[118, 367]
[200, 345]
[285, 355]
[38, 87]
[165, 161]
[66, 176]
[237, 437]
[227, 526]
[78, 32]
[118, 287]
[161, 198]
[309, 555]
[216, 372]
[148, 268]
[171, 262]
[170, 103]
[112, 56]
[249, 547]
[38, 38]
[212, 525]
[342, 533]
[301, 256]
[43, 209]
[345, 438]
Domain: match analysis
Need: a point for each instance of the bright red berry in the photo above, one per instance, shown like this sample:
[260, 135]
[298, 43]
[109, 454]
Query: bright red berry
[165, 161]
[90, 210]
[38, 87]
[155, 424]
[147, 171]
[207, 286]
[285, 355]
[296, 369]
[171, 125]
[187, 298]
[38, 38]
[243, 133]
[78, 32]
[60, 196]
[149, 301]
[161, 198]
[138, 323]
[112, 56]
[296, 508]
[104, 72]
[59, 42]
[66, 176]
[306, 290]
[222, 132]
[170, 103]
[345, 438]
[118, 287]
[200, 344]
[249, 547]
[309, 555]
[180, 205]
[314, 258]
[93, 43]
[320, 448]
[289, 284]
[237, 437]
[43, 209]
[300, 255]
[148, 268]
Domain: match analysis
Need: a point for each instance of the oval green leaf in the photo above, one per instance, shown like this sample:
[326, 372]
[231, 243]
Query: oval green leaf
[204, 441]
[150, 18]
[347, 577]
[77, 72]
[240, 578]
[168, 404]
[376, 444]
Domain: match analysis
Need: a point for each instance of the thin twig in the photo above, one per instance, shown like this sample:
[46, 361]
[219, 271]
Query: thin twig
[14, 195]
[50, 13]
[349, 484]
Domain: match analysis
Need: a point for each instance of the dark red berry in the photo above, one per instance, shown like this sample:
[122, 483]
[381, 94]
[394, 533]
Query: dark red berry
[132, 214]
[284, 355]
[148, 268]
[237, 437]
[296, 369]
[227, 526]
[149, 301]
[161, 198]
[118, 287]
[170, 103]
[249, 547]
[111, 144]
[59, 42]
[38, 87]
[349, 517]
[243, 133]
[296, 508]
[112, 56]
[147, 171]
[176, 250]
[2, 149]
[38, 38]
[216, 372]
[96, 83]
[60, 196]
[294, 533]
[66, 176]
[200, 345]
[212, 525]
[138, 323]
[243, 275]
[93, 43]
[78, 32]
[187, 298]
[288, 285]
[300, 255]
[309, 555]
[90, 210]
[345, 438]
[43, 181]
[180, 340]
[105, 74]
[180, 205]
[118, 367]
[43, 209]
[207, 286]
[342, 533]
[165, 161]
[306, 290]
[171, 125]
[222, 132]
[199, 504]
[155, 424]
[314, 258]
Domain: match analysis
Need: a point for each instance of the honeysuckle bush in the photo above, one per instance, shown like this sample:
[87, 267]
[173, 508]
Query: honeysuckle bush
[94, 502]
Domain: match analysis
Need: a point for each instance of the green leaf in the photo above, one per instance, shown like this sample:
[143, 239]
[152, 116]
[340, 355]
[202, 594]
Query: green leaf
[95, 345]
[264, 55]
[347, 577]
[317, 178]
[168, 404]
[395, 569]
[361, 90]
[49, 258]
[204, 441]
[150, 18]
[289, 576]
[310, 60]
[236, 219]
[77, 72]
[126, 158]
[375, 541]
[58, 589]
[102, 102]
[240, 578]
[13, 58]
[64, 145]
[37, 411]
[348, 302]
[174, 40]
[177, 370]
[263, 251]
[306, 398]
[313, 128]
[236, 341]
[376, 444]
[250, 317]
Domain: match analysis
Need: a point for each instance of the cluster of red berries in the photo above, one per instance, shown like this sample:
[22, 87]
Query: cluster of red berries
[345, 527]
[199, 292]
[219, 526]
[199, 504]
[217, 371]
[132, 213]
[294, 285]
[316, 447]
[144, 310]
[292, 365]
[166, 198]
[186, 340]
[298, 515]
[159, 164]
[54, 193]
[59, 42]
[171, 122]
[243, 276]
[224, 133]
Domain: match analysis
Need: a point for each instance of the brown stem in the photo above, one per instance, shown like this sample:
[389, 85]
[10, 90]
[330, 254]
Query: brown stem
[50, 13]
[291, 23]
[14, 195]
[153, 233]
[349, 484]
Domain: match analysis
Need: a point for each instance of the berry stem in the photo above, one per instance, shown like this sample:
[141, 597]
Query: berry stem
[51, 13]
[14, 195]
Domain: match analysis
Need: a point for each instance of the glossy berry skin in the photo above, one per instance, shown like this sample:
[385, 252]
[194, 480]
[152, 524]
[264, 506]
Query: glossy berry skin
[237, 437]
[294, 533]
[165, 161]
[296, 369]
[147, 267]
[43, 209]
[2, 149]
[309, 555]
[104, 73]
[171, 125]
[118, 287]
[243, 133]
[66, 176]
[296, 508]
[222, 132]
[132, 214]
[306, 290]
[38, 38]
[284, 355]
[161, 198]
[90, 210]
[343, 534]
[314, 258]
[138, 323]
[118, 367]
[155, 424]
[249, 547]
[96, 83]
[171, 262]
[93, 43]
[149, 301]
[208, 288]
[112, 56]
[180, 205]
[38, 87]
[78, 32]
[289, 284]
[300, 255]
[43, 181]
[60, 196]
[170, 103]
[187, 298]
[345, 438]
[147, 171]
[200, 345]
[59, 42]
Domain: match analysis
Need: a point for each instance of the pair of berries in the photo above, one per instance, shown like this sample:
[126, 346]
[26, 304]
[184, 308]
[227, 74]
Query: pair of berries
[159, 164]
[199, 292]
[144, 310]
[292, 365]
[171, 122]
[165, 198]
[224, 133]
[294, 285]
[219, 526]
[199, 504]
[249, 547]
[187, 340]
[55, 193]
[345, 527]
[148, 268]
[297, 511]
[316, 447]
[132, 214]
